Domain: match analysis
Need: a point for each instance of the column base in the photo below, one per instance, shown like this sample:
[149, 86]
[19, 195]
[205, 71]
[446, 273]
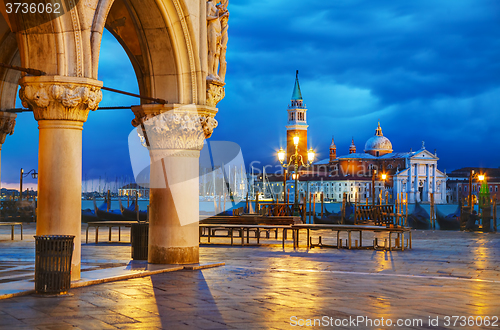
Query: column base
[173, 255]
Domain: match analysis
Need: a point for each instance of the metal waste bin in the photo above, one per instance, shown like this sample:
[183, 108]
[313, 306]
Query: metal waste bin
[53, 263]
[139, 234]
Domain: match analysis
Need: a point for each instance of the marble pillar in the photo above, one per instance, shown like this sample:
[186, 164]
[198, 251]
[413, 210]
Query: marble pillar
[60, 104]
[174, 135]
[411, 190]
[427, 187]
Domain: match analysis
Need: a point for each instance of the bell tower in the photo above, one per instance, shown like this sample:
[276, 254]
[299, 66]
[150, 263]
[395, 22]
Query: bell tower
[297, 122]
[333, 151]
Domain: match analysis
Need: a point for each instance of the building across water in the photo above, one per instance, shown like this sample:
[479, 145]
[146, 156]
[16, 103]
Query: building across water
[413, 173]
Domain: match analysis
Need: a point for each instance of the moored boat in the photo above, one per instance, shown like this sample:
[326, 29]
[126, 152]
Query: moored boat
[419, 218]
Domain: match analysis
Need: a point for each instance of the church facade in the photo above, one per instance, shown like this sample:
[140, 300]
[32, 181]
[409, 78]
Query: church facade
[413, 173]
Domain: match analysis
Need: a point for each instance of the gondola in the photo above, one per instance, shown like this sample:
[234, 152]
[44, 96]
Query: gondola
[450, 221]
[336, 218]
[102, 214]
[88, 215]
[130, 212]
[332, 219]
[419, 218]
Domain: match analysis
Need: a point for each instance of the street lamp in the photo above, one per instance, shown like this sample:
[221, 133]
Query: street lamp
[34, 175]
[473, 176]
[294, 160]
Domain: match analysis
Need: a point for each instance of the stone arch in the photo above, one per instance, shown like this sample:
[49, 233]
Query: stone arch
[168, 33]
[159, 40]
[9, 54]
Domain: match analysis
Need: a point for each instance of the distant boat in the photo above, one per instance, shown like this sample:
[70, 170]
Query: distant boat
[419, 218]
[450, 221]
[130, 213]
[103, 214]
[88, 215]
[336, 218]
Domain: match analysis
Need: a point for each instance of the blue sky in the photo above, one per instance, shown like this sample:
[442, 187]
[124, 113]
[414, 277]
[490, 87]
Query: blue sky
[429, 70]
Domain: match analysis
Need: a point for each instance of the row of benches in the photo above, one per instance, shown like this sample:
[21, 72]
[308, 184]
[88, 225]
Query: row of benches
[210, 231]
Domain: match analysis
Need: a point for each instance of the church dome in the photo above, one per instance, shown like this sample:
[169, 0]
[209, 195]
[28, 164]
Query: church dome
[378, 144]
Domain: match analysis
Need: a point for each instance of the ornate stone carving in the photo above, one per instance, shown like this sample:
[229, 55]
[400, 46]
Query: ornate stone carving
[7, 124]
[176, 129]
[217, 26]
[215, 92]
[68, 99]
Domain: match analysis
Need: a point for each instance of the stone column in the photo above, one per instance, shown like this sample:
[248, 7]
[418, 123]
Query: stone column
[7, 123]
[60, 105]
[427, 189]
[415, 189]
[434, 183]
[174, 135]
[411, 191]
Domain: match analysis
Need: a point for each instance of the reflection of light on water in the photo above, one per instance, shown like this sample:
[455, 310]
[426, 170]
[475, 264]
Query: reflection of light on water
[480, 291]
[381, 302]
[141, 287]
[279, 288]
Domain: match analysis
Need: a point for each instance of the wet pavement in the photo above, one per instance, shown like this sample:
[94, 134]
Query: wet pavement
[446, 274]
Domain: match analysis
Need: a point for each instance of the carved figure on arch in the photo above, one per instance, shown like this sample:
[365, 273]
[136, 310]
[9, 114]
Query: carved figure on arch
[215, 13]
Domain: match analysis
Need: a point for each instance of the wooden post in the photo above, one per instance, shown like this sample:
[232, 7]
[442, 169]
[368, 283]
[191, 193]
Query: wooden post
[495, 213]
[310, 208]
[344, 198]
[322, 205]
[109, 200]
[314, 206]
[257, 207]
[304, 203]
[396, 209]
[433, 214]
[355, 213]
[136, 204]
[386, 197]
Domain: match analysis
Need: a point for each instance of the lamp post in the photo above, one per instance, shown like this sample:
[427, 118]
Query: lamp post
[34, 175]
[296, 159]
[473, 176]
[374, 173]
[384, 177]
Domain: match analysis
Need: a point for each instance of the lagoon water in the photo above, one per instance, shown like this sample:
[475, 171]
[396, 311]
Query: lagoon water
[209, 206]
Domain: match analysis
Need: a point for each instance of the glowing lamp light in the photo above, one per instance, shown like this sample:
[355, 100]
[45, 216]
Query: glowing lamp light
[481, 177]
[384, 176]
[310, 155]
[281, 155]
[296, 140]
[294, 176]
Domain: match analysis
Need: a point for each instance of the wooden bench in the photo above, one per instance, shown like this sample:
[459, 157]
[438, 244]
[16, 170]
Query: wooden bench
[211, 228]
[378, 214]
[13, 224]
[251, 219]
[110, 225]
[400, 231]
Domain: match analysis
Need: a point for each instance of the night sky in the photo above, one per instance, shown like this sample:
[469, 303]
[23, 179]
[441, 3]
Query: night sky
[429, 70]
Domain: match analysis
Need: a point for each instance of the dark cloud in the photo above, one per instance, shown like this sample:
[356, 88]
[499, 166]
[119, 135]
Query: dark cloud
[427, 69]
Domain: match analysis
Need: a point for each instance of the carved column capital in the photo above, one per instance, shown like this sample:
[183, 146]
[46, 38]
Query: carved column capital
[174, 126]
[215, 92]
[7, 123]
[60, 97]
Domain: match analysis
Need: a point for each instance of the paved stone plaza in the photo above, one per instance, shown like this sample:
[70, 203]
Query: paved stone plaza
[445, 274]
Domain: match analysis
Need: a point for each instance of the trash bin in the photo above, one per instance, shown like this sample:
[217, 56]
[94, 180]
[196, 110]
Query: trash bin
[139, 233]
[53, 263]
